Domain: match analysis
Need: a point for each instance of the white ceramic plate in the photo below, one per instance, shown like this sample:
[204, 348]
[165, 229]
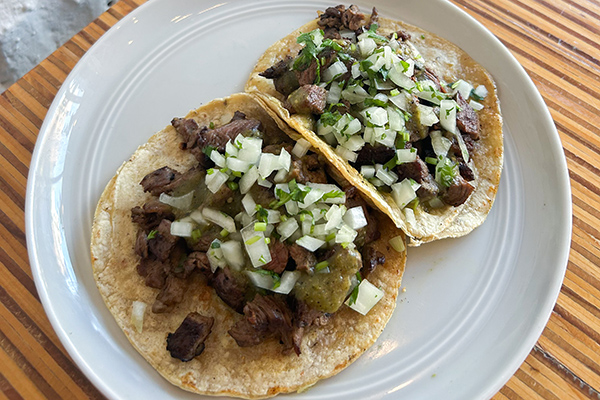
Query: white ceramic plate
[473, 307]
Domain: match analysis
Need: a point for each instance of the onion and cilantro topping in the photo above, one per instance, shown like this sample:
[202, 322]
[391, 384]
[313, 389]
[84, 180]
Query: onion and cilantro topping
[311, 215]
[377, 92]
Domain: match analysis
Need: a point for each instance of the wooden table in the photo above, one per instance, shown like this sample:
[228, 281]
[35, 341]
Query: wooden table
[558, 43]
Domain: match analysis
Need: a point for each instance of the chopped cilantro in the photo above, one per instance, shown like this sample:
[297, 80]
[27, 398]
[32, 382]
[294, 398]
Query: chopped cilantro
[321, 265]
[261, 213]
[208, 149]
[334, 194]
[196, 234]
[233, 185]
[152, 234]
[211, 125]
[374, 102]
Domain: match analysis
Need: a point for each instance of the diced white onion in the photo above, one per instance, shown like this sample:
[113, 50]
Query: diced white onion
[264, 183]
[440, 144]
[256, 247]
[249, 204]
[288, 280]
[480, 91]
[311, 197]
[285, 160]
[355, 143]
[345, 234]
[346, 154]
[238, 165]
[464, 88]
[248, 180]
[403, 193]
[354, 94]
[182, 228]
[262, 281]
[273, 216]
[232, 251]
[430, 93]
[355, 70]
[353, 127]
[406, 156]
[231, 150]
[218, 158]
[310, 243]
[268, 163]
[476, 106]
[461, 144]
[427, 116]
[368, 171]
[368, 296]
[215, 256]
[355, 218]
[436, 202]
[138, 309]
[197, 217]
[334, 93]
[292, 207]
[219, 218]
[397, 243]
[251, 150]
[215, 180]
[387, 177]
[336, 69]
[397, 75]
[396, 120]
[182, 202]
[334, 216]
[376, 115]
[448, 115]
[287, 228]
[280, 176]
[400, 101]
[301, 148]
[366, 46]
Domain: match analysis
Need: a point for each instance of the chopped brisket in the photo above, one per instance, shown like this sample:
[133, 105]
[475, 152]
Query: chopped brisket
[465, 171]
[203, 243]
[402, 35]
[196, 260]
[458, 192]
[189, 131]
[159, 181]
[308, 169]
[149, 216]
[219, 137]
[279, 257]
[163, 242]
[332, 17]
[154, 272]
[352, 18]
[170, 294]
[305, 317]
[331, 33]
[371, 258]
[467, 119]
[305, 260]
[141, 244]
[370, 155]
[374, 18]
[264, 317]
[307, 99]
[188, 340]
[231, 289]
[416, 170]
[278, 69]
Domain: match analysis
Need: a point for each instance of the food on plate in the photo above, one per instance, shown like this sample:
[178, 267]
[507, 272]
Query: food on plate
[235, 262]
[407, 117]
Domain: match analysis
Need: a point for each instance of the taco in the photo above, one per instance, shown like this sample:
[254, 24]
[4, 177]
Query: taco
[234, 263]
[406, 116]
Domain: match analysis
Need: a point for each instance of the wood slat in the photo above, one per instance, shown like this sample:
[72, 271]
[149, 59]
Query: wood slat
[558, 44]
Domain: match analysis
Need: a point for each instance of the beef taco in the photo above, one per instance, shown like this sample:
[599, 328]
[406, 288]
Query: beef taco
[235, 263]
[406, 116]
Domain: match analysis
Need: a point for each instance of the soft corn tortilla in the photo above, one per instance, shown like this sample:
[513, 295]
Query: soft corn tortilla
[450, 63]
[223, 368]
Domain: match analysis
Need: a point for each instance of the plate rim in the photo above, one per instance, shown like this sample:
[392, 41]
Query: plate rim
[538, 325]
